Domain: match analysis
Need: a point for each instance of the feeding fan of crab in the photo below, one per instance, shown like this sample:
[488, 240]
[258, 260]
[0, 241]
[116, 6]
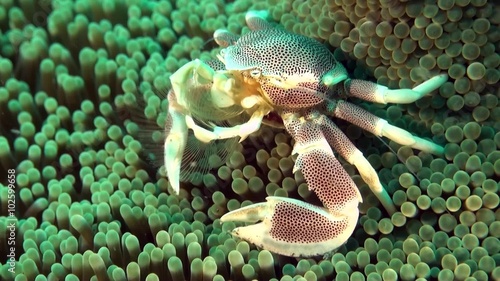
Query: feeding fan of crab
[269, 70]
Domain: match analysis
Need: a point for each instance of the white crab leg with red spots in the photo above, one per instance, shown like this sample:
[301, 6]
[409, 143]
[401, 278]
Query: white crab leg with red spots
[373, 92]
[380, 127]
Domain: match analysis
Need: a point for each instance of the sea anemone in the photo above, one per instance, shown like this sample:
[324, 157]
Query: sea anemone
[89, 205]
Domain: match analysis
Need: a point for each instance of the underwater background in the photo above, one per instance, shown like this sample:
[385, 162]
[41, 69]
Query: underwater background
[89, 205]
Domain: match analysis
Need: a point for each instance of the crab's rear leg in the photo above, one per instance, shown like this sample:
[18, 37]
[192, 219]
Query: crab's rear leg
[373, 92]
[295, 228]
[380, 127]
[377, 93]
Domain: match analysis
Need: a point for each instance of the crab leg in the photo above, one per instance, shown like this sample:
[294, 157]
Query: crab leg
[380, 127]
[341, 143]
[175, 143]
[224, 38]
[374, 92]
[256, 20]
[294, 228]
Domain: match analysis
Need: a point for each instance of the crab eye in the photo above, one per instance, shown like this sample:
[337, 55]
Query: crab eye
[255, 73]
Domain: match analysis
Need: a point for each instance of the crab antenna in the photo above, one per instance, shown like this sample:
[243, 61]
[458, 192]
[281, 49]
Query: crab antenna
[399, 157]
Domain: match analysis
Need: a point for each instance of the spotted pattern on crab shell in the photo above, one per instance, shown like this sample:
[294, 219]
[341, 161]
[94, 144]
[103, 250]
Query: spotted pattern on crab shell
[312, 228]
[275, 51]
[279, 54]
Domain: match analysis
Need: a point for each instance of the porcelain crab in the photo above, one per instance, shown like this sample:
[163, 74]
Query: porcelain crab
[270, 70]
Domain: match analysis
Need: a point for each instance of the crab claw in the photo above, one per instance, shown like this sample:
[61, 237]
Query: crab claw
[292, 227]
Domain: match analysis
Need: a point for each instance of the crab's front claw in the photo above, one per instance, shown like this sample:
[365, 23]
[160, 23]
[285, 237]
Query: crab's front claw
[293, 228]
